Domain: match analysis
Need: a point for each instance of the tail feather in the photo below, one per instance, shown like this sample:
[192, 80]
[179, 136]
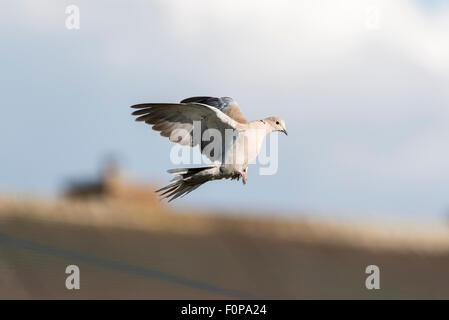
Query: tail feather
[185, 181]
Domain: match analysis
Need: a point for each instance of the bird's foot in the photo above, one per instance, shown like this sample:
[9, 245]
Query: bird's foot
[243, 175]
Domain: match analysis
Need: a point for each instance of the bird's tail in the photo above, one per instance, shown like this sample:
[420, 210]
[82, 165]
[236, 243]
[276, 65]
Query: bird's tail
[185, 181]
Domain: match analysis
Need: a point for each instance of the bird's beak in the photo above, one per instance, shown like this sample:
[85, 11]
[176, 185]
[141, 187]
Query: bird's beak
[285, 131]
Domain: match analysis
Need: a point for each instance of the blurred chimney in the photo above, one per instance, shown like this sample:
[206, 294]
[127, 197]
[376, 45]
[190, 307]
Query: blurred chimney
[113, 184]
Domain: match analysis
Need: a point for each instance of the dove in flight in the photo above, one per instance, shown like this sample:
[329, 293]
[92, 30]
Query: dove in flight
[187, 123]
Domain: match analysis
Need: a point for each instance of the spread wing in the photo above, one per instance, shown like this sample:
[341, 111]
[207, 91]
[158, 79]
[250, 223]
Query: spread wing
[225, 104]
[179, 121]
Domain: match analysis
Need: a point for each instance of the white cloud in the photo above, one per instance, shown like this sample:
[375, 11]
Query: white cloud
[265, 37]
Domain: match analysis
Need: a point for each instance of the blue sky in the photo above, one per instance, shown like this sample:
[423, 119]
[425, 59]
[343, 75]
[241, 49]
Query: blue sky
[363, 86]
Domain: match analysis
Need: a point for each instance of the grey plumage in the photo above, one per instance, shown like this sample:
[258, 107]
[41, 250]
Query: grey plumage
[186, 180]
[170, 118]
[178, 121]
[226, 105]
[219, 103]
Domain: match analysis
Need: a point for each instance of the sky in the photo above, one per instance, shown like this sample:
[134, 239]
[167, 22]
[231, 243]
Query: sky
[362, 85]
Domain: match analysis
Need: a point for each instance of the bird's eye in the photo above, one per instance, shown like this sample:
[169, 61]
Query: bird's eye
[277, 122]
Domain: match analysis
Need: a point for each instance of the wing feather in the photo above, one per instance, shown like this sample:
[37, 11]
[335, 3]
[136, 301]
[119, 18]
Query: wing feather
[225, 104]
[176, 121]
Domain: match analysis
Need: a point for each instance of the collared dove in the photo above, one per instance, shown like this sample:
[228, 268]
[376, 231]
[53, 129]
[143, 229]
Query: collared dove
[237, 146]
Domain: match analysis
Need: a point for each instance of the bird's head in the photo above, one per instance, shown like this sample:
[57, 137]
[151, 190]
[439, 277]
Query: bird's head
[276, 124]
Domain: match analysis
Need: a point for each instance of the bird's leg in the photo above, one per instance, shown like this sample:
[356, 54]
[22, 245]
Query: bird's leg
[243, 174]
